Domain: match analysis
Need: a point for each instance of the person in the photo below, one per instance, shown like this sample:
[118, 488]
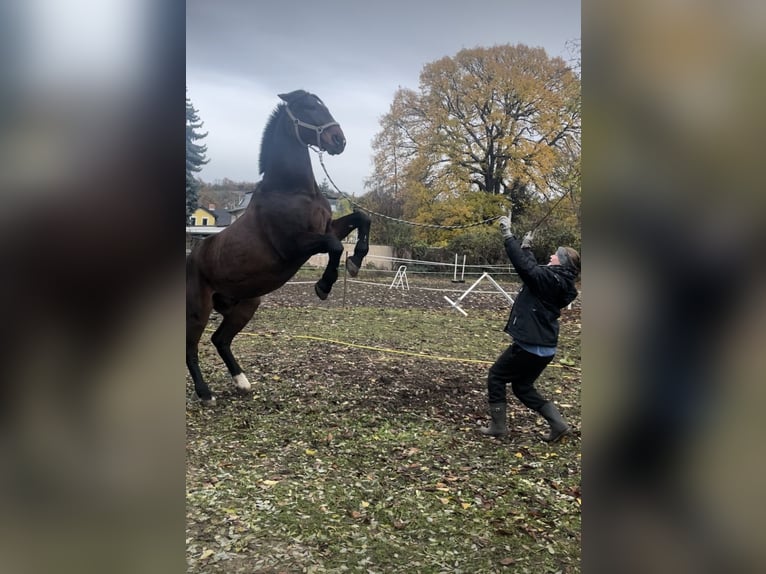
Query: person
[534, 326]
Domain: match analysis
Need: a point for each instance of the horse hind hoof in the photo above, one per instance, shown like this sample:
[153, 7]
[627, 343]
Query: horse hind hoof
[320, 292]
[241, 384]
[353, 268]
[207, 402]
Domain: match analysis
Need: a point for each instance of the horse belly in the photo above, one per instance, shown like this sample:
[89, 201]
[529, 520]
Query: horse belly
[247, 283]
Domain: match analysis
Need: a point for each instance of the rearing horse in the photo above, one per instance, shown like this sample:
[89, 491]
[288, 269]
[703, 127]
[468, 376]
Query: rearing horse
[287, 221]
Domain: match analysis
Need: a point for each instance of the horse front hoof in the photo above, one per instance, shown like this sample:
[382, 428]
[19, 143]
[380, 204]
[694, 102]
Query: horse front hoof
[353, 268]
[320, 292]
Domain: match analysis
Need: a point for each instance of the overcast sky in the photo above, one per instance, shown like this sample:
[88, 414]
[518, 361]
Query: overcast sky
[353, 54]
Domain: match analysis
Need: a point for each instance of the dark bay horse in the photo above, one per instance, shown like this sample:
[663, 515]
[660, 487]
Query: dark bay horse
[287, 221]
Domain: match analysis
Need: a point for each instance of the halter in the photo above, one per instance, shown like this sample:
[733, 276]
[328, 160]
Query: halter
[297, 122]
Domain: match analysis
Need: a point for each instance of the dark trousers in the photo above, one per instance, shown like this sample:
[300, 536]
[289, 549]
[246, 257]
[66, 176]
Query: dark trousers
[521, 369]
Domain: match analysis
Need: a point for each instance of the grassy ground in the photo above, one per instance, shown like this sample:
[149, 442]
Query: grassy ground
[356, 453]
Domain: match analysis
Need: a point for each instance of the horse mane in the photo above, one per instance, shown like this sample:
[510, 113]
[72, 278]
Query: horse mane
[268, 133]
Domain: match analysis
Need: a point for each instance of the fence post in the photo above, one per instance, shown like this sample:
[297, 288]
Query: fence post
[345, 274]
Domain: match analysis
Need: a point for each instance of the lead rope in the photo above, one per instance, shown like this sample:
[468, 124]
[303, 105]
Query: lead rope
[559, 200]
[430, 225]
[413, 223]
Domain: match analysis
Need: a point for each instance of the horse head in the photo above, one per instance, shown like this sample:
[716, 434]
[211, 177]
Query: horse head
[313, 122]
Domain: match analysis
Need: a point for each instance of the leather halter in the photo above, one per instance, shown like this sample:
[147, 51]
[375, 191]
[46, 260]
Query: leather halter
[298, 123]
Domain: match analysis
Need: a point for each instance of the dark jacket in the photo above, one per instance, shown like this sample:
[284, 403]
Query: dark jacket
[547, 289]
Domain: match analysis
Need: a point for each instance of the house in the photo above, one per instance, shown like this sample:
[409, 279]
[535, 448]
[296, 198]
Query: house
[210, 217]
[237, 211]
[241, 206]
[203, 222]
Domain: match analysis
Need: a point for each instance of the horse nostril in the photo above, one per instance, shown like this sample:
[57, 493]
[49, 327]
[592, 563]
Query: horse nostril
[339, 140]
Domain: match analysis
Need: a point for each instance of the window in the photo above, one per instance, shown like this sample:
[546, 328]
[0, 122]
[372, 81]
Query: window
[204, 221]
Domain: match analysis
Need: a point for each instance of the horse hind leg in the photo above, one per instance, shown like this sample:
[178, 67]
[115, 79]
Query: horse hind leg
[236, 314]
[198, 308]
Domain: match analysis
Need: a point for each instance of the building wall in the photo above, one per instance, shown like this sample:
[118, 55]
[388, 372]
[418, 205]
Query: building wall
[201, 213]
[320, 259]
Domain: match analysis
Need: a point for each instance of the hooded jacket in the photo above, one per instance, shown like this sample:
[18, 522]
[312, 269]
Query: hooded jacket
[546, 289]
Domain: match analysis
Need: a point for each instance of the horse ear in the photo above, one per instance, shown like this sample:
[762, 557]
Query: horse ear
[292, 96]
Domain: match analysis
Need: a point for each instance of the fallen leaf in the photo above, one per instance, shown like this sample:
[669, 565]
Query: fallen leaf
[206, 554]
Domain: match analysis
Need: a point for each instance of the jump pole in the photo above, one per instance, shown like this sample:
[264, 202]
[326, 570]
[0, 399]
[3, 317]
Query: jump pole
[456, 304]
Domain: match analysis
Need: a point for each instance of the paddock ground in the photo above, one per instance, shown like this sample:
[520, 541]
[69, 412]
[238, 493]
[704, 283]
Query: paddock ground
[358, 450]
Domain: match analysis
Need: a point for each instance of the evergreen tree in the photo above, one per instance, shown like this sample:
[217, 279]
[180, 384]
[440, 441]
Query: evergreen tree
[325, 189]
[195, 157]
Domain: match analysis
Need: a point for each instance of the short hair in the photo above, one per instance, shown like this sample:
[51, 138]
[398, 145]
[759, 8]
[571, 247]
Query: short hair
[569, 257]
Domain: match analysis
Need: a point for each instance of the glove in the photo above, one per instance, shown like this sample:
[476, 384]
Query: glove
[526, 243]
[505, 226]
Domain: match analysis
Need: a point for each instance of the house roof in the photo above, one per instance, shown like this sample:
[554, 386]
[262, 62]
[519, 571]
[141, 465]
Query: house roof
[222, 217]
[206, 210]
[244, 202]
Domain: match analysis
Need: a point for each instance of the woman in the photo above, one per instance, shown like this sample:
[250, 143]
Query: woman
[534, 326]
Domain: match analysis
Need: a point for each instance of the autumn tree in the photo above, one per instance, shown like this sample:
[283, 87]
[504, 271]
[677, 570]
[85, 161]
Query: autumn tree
[195, 157]
[489, 129]
[224, 193]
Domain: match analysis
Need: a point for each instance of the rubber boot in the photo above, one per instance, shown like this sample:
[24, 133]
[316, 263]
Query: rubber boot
[498, 425]
[559, 426]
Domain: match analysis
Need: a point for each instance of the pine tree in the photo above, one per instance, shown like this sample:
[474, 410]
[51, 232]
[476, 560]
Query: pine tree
[195, 157]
